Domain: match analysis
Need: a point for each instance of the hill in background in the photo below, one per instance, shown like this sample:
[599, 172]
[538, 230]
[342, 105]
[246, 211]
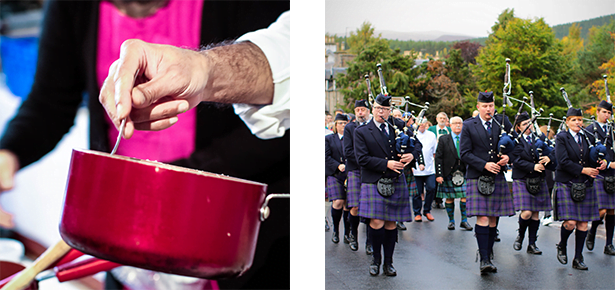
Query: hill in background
[561, 30]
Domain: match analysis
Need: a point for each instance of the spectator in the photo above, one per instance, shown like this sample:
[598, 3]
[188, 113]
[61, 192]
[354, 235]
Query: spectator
[424, 175]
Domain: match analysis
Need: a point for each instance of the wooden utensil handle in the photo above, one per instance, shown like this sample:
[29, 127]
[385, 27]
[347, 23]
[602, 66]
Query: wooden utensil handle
[26, 276]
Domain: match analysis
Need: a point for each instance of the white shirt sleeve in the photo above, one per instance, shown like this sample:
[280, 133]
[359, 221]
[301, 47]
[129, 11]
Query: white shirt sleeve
[294, 52]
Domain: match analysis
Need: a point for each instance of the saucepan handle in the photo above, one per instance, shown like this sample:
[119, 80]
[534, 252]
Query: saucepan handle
[265, 211]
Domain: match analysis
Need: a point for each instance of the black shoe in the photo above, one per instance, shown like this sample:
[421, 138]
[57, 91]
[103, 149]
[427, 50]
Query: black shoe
[578, 264]
[532, 249]
[517, 243]
[335, 237]
[487, 267]
[401, 226]
[561, 254]
[327, 228]
[497, 236]
[451, 226]
[369, 249]
[609, 250]
[354, 245]
[346, 239]
[465, 225]
[374, 269]
[389, 270]
[590, 240]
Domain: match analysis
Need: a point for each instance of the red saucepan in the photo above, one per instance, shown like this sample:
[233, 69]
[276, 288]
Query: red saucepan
[162, 217]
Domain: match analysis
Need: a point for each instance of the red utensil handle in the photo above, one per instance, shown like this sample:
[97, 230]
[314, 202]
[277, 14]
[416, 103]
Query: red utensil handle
[69, 257]
[83, 268]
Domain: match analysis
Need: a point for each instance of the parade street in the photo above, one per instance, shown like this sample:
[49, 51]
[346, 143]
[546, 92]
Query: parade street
[429, 256]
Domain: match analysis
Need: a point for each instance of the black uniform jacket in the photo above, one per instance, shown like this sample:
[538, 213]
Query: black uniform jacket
[607, 140]
[571, 159]
[447, 160]
[524, 158]
[334, 156]
[373, 151]
[477, 147]
[351, 159]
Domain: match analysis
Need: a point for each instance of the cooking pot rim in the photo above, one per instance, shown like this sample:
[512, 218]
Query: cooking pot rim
[166, 166]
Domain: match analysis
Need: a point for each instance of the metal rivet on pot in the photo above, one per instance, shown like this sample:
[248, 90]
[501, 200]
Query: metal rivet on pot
[265, 211]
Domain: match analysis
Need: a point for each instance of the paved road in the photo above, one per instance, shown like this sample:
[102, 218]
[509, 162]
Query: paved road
[429, 256]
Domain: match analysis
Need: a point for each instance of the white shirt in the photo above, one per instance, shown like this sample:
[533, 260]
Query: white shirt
[386, 127]
[294, 53]
[484, 121]
[574, 135]
[428, 140]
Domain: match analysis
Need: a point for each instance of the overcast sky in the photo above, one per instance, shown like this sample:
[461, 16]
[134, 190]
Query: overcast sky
[473, 18]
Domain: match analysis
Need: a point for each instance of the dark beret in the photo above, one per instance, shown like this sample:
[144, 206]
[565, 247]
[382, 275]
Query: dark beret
[383, 100]
[360, 103]
[341, 117]
[606, 105]
[485, 97]
[574, 112]
[522, 117]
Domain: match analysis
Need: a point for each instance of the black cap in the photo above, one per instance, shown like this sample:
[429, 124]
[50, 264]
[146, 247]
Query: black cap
[485, 97]
[341, 117]
[360, 103]
[606, 105]
[574, 112]
[383, 100]
[522, 117]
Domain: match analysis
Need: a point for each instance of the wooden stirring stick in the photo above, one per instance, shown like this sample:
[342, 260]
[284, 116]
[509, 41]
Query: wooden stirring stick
[26, 276]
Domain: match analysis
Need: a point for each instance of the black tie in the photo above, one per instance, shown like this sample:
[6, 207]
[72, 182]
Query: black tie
[488, 127]
[529, 140]
[382, 127]
[579, 141]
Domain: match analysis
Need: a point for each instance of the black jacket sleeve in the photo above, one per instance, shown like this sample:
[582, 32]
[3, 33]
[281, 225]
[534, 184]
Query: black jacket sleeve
[50, 109]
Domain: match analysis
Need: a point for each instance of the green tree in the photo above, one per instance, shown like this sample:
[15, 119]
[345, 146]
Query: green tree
[459, 72]
[600, 49]
[361, 38]
[397, 72]
[435, 87]
[506, 16]
[537, 63]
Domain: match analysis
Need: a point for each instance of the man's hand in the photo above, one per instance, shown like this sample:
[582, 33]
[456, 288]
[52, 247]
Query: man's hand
[492, 167]
[150, 84]
[341, 167]
[593, 172]
[395, 165]
[421, 167]
[406, 158]
[539, 167]
[602, 165]
[9, 164]
[439, 180]
[544, 160]
[503, 160]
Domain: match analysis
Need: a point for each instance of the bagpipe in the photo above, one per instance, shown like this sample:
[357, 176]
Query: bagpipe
[506, 143]
[543, 148]
[597, 150]
[403, 142]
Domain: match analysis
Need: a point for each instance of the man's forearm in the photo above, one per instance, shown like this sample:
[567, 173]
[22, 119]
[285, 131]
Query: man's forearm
[238, 73]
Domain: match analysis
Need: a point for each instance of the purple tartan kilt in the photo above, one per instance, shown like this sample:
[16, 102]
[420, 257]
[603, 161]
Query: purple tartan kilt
[605, 200]
[353, 191]
[523, 200]
[335, 188]
[499, 203]
[393, 208]
[587, 210]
